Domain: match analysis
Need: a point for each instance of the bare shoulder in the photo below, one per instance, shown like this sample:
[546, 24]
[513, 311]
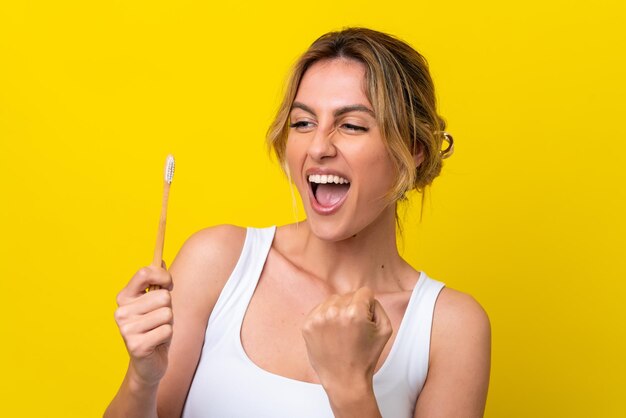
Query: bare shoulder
[460, 358]
[208, 257]
[219, 243]
[459, 314]
[461, 327]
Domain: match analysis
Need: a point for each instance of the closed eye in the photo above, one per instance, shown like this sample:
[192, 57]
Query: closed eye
[355, 128]
[301, 125]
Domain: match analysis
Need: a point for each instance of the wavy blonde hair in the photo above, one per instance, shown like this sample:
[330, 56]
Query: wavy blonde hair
[401, 91]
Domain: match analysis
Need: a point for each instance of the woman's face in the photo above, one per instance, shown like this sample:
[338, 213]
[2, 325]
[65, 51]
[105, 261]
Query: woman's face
[335, 152]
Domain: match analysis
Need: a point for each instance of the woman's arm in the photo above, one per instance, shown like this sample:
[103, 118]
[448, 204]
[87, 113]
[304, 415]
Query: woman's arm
[460, 357]
[199, 273]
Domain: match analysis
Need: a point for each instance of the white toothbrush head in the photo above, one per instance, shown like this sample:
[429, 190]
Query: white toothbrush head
[169, 169]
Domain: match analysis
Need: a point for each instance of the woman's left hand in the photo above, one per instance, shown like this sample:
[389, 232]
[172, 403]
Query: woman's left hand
[345, 336]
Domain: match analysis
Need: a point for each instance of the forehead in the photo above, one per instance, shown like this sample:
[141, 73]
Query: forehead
[333, 83]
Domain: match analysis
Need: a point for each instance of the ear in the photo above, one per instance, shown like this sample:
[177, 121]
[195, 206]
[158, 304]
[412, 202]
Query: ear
[418, 156]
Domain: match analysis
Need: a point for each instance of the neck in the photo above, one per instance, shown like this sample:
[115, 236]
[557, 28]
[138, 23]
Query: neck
[368, 258]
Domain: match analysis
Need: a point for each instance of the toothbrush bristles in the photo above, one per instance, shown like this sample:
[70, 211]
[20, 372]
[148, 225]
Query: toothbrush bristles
[169, 169]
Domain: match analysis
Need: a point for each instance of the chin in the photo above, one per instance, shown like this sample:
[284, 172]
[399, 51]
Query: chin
[331, 230]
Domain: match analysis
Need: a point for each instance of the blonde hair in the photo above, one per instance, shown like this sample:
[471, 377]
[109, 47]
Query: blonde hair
[401, 91]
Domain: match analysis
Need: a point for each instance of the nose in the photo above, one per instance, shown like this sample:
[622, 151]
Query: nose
[322, 145]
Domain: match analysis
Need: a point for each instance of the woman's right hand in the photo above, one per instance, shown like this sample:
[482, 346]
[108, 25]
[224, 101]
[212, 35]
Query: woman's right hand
[145, 321]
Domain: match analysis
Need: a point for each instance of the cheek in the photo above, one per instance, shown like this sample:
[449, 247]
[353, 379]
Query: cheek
[389, 168]
[379, 171]
[289, 155]
[374, 157]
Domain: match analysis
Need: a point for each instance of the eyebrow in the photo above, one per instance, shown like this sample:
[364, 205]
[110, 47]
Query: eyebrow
[338, 112]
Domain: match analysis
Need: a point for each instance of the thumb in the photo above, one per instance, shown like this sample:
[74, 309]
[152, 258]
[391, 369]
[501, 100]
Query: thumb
[164, 265]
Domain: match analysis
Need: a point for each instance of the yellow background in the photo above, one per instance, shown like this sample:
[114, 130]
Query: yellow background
[528, 215]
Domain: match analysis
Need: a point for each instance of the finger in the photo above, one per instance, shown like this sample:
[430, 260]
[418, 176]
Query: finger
[154, 287]
[332, 300]
[164, 266]
[364, 296]
[322, 306]
[145, 277]
[147, 302]
[159, 277]
[144, 346]
[148, 322]
[361, 304]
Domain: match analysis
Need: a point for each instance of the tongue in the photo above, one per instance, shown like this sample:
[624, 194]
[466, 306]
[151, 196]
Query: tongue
[330, 194]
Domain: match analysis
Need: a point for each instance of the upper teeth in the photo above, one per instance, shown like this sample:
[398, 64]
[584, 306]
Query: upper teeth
[327, 178]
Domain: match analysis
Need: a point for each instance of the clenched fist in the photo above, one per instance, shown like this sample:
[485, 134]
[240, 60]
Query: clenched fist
[145, 321]
[345, 336]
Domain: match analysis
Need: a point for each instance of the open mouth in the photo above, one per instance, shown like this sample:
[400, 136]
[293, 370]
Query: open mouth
[328, 189]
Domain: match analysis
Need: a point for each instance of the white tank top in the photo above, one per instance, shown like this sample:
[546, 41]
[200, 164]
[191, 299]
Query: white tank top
[228, 384]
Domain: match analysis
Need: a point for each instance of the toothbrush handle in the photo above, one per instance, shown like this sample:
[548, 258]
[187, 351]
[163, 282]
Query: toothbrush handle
[160, 241]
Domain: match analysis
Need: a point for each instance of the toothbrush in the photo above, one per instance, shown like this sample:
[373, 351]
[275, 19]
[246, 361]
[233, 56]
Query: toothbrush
[160, 241]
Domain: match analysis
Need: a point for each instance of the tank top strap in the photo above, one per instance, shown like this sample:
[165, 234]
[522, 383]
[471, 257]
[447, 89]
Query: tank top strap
[233, 301]
[411, 350]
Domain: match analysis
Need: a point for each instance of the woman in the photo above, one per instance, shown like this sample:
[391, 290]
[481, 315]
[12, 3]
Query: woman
[322, 317]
